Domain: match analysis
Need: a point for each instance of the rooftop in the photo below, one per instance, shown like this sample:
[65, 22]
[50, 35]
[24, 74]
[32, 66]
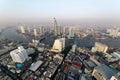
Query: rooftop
[105, 71]
[35, 65]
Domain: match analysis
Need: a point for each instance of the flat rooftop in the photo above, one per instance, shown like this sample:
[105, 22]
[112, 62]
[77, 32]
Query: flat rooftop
[36, 65]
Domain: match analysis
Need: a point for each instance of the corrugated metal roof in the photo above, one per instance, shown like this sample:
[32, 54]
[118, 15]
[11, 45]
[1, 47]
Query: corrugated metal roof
[105, 71]
[35, 65]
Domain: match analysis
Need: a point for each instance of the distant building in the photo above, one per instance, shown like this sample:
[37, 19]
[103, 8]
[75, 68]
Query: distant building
[58, 45]
[28, 29]
[114, 32]
[56, 28]
[103, 72]
[34, 43]
[41, 30]
[22, 29]
[19, 55]
[71, 32]
[64, 31]
[99, 47]
[35, 32]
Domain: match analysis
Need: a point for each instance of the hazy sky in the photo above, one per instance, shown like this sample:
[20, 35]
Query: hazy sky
[41, 10]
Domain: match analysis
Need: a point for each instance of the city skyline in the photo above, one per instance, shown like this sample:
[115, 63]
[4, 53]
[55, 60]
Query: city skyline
[59, 40]
[16, 11]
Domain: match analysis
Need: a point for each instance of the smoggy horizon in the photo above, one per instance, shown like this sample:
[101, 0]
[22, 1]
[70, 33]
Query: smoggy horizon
[65, 11]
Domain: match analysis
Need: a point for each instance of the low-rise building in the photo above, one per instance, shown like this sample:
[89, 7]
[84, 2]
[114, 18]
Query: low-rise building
[103, 72]
[116, 76]
[99, 47]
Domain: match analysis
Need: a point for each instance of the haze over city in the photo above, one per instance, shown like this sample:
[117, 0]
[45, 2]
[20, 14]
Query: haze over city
[66, 11]
[59, 39]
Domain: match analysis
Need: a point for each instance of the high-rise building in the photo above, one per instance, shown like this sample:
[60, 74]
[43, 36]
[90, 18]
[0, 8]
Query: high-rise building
[19, 55]
[59, 30]
[58, 45]
[35, 32]
[56, 28]
[63, 31]
[71, 32]
[22, 29]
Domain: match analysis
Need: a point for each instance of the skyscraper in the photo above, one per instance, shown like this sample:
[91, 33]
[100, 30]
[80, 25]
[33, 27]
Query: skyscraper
[22, 29]
[71, 32]
[35, 32]
[56, 28]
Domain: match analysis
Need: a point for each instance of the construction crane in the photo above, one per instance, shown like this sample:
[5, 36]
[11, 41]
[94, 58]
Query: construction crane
[12, 75]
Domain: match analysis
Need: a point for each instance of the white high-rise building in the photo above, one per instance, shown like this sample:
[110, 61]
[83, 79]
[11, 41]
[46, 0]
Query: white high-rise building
[58, 45]
[35, 32]
[22, 29]
[71, 32]
[19, 55]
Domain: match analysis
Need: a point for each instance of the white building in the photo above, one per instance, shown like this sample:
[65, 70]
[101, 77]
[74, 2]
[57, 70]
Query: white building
[74, 48]
[35, 32]
[100, 47]
[71, 32]
[114, 32]
[35, 42]
[58, 45]
[22, 29]
[19, 55]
